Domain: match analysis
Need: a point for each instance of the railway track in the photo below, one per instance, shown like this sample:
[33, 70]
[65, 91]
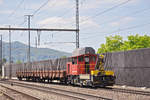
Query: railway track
[123, 90]
[137, 92]
[13, 94]
[66, 93]
[6, 95]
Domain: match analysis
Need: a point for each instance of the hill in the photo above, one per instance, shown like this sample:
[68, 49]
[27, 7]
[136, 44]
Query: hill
[19, 52]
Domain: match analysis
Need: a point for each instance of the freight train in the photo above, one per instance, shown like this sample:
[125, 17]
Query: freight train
[84, 68]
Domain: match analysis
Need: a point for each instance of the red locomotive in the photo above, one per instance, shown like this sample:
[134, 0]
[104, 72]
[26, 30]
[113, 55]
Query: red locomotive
[83, 68]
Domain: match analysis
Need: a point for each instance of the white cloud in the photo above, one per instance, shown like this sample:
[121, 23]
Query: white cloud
[1, 1]
[57, 22]
[124, 20]
[128, 19]
[100, 3]
[116, 1]
[60, 22]
[89, 4]
[114, 24]
[60, 3]
[87, 23]
[5, 12]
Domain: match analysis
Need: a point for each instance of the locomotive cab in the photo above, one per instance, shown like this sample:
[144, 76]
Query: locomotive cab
[87, 69]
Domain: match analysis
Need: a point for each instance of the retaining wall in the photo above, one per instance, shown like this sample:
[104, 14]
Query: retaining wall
[131, 67]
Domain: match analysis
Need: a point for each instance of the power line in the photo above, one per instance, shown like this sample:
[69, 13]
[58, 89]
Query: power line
[47, 3]
[107, 10]
[120, 30]
[63, 14]
[81, 2]
[22, 23]
[136, 12]
[40, 7]
[19, 4]
[35, 10]
[77, 23]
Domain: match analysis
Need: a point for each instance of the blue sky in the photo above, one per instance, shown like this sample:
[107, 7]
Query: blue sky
[94, 25]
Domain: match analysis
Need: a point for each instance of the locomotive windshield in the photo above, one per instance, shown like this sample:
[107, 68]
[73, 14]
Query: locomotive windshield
[87, 59]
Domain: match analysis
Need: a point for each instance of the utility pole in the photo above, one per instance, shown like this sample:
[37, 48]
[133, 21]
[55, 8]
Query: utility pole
[10, 67]
[28, 54]
[38, 34]
[77, 23]
[36, 42]
[1, 57]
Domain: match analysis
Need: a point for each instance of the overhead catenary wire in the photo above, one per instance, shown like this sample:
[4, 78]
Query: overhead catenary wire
[82, 2]
[133, 13]
[22, 23]
[44, 4]
[18, 6]
[63, 14]
[120, 30]
[107, 10]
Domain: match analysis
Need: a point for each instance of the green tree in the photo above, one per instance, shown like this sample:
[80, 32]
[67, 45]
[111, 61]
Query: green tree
[113, 43]
[63, 57]
[18, 62]
[102, 49]
[116, 43]
[4, 60]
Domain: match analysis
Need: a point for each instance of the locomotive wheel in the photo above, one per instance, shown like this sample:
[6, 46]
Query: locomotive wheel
[20, 79]
[81, 84]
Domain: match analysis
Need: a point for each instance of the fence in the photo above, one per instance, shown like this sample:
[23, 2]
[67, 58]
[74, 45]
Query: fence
[131, 67]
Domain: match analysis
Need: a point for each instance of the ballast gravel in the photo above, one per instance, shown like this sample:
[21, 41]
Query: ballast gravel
[39, 94]
[98, 92]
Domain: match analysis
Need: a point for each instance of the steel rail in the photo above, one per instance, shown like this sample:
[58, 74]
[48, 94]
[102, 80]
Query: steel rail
[138, 92]
[146, 93]
[76, 95]
[19, 92]
[7, 95]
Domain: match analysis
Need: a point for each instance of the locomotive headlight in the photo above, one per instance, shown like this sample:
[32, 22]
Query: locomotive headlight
[92, 72]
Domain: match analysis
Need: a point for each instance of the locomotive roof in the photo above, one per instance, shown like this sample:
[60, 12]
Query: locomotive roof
[82, 51]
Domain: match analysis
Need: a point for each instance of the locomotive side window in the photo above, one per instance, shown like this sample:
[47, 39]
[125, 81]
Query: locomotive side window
[74, 60]
[93, 58]
[80, 59]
